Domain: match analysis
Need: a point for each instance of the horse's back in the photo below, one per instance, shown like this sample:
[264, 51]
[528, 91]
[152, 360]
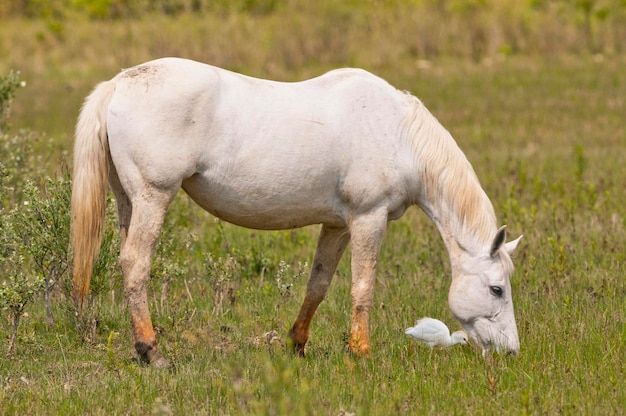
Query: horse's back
[175, 81]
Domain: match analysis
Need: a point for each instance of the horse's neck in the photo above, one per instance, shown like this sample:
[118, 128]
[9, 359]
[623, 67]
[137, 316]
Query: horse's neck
[450, 193]
[458, 240]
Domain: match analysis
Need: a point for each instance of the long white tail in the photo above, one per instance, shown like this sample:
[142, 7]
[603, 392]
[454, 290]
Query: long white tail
[89, 186]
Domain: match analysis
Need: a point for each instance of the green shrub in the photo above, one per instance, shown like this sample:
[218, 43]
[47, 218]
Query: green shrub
[34, 224]
[8, 87]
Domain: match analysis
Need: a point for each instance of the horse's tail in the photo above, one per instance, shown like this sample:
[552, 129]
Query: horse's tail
[89, 186]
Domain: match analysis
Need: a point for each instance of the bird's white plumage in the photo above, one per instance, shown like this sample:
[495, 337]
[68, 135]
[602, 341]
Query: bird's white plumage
[434, 333]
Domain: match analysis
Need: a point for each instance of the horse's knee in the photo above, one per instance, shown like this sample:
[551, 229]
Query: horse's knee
[125, 261]
[136, 269]
[316, 294]
[318, 284]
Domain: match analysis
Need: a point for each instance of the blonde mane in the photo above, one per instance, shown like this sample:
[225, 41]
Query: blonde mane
[449, 182]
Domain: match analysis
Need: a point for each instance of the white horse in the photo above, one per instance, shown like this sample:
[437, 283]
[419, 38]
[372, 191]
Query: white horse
[345, 150]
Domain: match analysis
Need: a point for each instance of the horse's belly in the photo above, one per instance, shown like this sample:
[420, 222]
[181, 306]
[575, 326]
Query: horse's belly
[265, 209]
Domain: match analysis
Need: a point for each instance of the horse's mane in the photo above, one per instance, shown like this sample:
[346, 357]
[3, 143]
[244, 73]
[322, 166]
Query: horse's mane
[449, 181]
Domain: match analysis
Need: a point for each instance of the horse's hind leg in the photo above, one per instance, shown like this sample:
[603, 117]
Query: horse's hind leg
[146, 221]
[124, 208]
[330, 246]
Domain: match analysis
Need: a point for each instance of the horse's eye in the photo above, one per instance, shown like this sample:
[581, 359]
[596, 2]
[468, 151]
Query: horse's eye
[496, 290]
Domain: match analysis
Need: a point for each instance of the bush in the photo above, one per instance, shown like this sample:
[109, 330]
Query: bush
[8, 87]
[34, 221]
[18, 287]
[34, 236]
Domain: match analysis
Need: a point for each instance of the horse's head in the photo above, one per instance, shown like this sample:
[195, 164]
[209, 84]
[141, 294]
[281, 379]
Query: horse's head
[480, 296]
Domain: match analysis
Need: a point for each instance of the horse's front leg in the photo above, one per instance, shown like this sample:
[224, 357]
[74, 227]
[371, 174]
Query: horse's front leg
[330, 247]
[366, 235]
[135, 259]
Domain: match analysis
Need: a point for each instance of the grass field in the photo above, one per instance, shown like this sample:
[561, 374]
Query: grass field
[547, 138]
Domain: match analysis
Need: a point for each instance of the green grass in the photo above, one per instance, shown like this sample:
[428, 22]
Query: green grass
[547, 139]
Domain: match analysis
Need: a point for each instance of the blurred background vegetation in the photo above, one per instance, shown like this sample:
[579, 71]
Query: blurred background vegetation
[424, 28]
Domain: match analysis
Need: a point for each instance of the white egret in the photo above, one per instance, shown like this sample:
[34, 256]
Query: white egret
[435, 333]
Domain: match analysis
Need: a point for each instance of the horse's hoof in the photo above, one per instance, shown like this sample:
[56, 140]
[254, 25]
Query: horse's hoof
[299, 350]
[150, 355]
[295, 343]
[359, 349]
[295, 347]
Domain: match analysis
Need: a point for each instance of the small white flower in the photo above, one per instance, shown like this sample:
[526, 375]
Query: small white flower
[26, 203]
[23, 84]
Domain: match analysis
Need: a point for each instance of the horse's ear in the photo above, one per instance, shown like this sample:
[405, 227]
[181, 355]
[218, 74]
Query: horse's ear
[512, 245]
[499, 239]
